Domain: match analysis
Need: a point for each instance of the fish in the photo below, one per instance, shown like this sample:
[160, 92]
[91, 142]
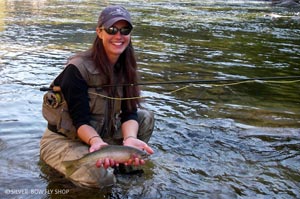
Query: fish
[118, 153]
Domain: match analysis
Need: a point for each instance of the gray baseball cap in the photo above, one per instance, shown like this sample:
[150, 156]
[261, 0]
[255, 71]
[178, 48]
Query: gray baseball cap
[112, 14]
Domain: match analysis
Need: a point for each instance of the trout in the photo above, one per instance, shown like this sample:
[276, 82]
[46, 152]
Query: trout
[118, 153]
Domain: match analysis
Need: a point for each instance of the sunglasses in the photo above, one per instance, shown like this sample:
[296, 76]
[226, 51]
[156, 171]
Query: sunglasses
[114, 30]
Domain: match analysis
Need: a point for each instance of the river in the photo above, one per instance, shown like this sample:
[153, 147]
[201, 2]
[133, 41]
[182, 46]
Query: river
[210, 140]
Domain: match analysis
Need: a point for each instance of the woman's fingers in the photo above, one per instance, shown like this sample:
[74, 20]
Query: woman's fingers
[106, 163]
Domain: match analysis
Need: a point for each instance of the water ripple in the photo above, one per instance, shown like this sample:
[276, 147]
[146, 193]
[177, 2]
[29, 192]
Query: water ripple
[210, 141]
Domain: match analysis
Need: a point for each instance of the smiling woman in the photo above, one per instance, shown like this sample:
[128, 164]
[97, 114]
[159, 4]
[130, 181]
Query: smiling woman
[92, 121]
[234, 141]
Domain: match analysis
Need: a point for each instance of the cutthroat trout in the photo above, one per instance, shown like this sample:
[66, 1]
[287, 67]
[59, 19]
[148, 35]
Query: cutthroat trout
[120, 154]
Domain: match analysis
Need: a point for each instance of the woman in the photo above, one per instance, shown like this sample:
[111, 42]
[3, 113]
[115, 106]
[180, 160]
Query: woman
[95, 115]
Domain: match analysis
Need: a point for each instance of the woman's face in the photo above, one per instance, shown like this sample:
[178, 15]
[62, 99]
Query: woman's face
[114, 45]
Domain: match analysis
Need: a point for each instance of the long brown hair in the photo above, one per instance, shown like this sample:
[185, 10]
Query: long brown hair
[128, 71]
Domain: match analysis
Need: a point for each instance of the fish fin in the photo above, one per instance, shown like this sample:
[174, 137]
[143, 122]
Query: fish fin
[71, 166]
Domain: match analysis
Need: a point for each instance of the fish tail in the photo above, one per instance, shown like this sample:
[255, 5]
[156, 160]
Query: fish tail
[71, 166]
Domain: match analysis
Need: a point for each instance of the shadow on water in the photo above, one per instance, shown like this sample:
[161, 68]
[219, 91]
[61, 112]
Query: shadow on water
[210, 141]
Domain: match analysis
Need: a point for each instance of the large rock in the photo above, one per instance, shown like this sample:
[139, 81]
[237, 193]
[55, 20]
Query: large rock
[287, 3]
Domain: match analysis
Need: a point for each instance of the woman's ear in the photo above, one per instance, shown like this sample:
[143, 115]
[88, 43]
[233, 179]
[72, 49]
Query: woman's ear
[99, 32]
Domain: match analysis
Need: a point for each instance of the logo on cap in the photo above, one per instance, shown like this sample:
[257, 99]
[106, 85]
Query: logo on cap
[118, 12]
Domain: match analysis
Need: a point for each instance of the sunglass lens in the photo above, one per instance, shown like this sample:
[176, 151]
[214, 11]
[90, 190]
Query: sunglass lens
[113, 30]
[125, 31]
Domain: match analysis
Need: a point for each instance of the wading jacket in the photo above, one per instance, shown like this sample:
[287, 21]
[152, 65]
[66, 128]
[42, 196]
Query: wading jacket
[104, 112]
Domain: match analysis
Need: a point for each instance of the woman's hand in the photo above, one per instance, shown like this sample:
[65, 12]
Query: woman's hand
[97, 144]
[106, 163]
[134, 142]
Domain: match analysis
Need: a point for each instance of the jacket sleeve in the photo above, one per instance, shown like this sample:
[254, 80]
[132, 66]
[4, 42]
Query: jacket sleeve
[126, 114]
[75, 91]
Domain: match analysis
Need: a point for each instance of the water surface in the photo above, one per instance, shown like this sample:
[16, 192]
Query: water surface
[210, 141]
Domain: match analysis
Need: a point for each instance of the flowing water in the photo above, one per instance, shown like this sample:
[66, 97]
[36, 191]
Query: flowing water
[210, 141]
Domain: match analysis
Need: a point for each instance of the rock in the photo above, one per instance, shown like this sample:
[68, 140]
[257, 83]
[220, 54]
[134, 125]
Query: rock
[286, 3]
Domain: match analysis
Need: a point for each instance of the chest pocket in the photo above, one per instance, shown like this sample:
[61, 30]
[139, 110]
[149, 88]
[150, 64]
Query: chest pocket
[105, 111]
[98, 101]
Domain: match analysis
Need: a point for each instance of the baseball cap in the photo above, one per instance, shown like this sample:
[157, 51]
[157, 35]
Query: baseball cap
[112, 14]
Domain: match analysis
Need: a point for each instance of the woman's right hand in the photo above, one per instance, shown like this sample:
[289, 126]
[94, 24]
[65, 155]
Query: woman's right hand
[97, 144]
[88, 134]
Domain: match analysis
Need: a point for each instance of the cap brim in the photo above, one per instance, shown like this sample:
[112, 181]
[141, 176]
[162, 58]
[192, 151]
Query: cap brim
[111, 22]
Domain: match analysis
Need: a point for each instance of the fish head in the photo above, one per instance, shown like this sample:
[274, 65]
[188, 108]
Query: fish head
[141, 154]
[144, 155]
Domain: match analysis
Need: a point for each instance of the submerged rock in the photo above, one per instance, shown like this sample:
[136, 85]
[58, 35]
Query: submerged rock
[286, 3]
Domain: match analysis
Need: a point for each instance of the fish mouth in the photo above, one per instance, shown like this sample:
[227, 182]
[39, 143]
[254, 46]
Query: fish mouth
[145, 155]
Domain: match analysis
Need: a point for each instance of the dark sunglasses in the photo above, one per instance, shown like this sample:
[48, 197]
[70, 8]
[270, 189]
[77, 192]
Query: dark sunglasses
[114, 30]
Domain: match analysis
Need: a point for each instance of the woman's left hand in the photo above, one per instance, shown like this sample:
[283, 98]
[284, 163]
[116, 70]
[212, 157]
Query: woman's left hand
[136, 143]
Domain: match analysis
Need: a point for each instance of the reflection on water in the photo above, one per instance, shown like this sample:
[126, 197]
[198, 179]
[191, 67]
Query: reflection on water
[2, 15]
[210, 141]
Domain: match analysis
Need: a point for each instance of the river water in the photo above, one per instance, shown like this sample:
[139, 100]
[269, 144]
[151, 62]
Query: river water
[210, 141]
